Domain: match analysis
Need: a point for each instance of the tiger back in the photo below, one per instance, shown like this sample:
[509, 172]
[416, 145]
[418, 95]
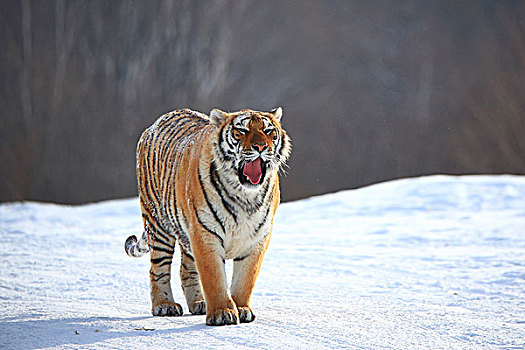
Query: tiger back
[210, 183]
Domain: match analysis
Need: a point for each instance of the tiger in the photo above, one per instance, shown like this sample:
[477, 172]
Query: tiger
[212, 184]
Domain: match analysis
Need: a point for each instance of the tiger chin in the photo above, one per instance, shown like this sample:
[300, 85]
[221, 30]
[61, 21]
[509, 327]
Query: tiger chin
[211, 184]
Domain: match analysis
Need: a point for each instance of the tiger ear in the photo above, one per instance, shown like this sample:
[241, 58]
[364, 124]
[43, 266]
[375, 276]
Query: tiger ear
[218, 117]
[277, 113]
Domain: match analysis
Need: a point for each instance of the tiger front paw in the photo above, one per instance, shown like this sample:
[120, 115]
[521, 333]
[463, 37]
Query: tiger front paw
[221, 317]
[167, 309]
[245, 314]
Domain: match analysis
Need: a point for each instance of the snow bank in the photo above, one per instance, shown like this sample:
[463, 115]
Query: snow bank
[428, 263]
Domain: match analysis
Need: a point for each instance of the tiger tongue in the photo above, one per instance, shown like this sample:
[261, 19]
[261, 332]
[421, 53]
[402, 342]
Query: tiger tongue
[253, 171]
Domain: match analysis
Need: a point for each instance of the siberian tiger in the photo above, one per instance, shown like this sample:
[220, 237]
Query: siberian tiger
[212, 184]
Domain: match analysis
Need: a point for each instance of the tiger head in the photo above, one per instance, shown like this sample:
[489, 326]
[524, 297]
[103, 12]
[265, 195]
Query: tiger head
[252, 142]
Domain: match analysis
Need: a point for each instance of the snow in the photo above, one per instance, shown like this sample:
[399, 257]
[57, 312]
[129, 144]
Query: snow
[426, 263]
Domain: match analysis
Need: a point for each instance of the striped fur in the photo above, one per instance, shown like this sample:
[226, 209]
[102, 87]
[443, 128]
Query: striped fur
[197, 185]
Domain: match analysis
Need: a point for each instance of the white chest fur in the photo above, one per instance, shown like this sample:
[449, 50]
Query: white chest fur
[242, 236]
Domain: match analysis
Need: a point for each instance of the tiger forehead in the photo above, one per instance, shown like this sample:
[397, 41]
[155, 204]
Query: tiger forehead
[252, 121]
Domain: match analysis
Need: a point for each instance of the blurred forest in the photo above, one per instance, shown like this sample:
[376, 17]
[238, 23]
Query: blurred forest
[371, 90]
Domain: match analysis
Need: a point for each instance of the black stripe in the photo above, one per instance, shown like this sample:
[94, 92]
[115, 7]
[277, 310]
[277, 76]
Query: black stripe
[206, 227]
[162, 275]
[190, 277]
[284, 143]
[229, 141]
[192, 285]
[222, 193]
[187, 254]
[161, 259]
[241, 258]
[167, 262]
[212, 208]
[264, 220]
[161, 249]
[158, 240]
[157, 275]
[225, 154]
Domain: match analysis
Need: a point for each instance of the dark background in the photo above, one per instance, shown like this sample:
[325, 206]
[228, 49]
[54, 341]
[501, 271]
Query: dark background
[371, 90]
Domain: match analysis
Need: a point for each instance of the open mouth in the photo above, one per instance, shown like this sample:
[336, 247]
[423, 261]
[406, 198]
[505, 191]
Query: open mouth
[252, 173]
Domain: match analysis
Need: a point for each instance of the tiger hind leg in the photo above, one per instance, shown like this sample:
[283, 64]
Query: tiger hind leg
[161, 251]
[191, 283]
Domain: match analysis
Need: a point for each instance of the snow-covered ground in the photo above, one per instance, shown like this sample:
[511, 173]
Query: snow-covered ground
[428, 263]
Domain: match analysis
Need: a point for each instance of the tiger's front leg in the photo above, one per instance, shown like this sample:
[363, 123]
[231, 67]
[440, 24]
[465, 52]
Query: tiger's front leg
[245, 272]
[209, 256]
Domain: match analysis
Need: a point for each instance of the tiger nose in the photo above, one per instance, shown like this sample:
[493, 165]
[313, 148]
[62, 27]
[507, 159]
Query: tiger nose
[259, 146]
